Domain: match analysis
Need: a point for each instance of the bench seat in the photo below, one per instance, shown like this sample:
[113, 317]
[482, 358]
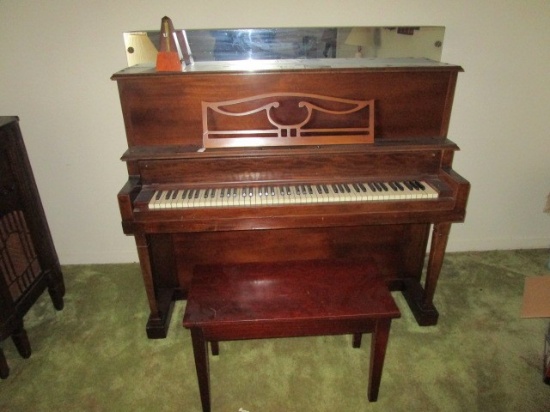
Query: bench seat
[288, 299]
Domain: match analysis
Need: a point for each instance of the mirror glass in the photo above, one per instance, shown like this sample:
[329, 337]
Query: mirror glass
[295, 43]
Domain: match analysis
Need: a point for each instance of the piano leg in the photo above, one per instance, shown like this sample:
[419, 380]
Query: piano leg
[161, 302]
[420, 299]
[440, 235]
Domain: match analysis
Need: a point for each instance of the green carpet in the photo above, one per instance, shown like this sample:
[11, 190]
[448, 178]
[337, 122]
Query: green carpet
[94, 355]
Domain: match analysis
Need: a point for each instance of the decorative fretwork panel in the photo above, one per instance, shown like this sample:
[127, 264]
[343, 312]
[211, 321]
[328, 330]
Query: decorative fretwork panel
[287, 119]
[18, 261]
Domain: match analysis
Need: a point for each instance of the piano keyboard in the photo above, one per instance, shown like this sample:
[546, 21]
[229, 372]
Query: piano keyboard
[292, 194]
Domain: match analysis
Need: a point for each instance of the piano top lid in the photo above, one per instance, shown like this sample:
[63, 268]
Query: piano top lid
[262, 66]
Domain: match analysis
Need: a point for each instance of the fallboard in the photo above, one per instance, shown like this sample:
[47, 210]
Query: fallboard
[289, 166]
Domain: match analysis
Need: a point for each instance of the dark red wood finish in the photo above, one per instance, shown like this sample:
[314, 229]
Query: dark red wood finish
[162, 115]
[282, 299]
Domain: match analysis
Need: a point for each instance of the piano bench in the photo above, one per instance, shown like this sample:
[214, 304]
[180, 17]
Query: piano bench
[288, 299]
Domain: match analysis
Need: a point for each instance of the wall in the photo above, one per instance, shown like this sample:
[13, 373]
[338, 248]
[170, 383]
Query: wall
[57, 58]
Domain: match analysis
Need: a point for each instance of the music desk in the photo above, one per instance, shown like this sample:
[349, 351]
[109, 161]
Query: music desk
[288, 299]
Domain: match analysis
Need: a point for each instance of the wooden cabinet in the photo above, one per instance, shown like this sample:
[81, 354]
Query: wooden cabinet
[28, 260]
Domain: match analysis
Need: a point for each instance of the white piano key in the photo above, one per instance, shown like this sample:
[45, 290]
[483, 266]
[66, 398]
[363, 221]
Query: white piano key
[273, 195]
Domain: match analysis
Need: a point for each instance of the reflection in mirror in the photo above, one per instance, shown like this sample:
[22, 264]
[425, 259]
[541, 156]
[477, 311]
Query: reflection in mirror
[296, 43]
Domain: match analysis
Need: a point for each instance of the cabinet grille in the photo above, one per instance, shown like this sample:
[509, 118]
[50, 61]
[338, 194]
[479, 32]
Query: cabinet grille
[18, 261]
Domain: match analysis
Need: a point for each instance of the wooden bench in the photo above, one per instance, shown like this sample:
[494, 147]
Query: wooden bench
[275, 300]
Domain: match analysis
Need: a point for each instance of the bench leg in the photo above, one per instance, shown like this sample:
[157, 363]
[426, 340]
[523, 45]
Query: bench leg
[200, 351]
[357, 340]
[379, 343]
[214, 345]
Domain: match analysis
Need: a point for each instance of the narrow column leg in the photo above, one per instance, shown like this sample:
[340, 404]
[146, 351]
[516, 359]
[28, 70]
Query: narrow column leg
[357, 340]
[379, 342]
[4, 368]
[201, 364]
[440, 236]
[142, 245]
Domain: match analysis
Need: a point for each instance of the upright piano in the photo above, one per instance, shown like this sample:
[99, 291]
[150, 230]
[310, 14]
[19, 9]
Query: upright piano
[262, 161]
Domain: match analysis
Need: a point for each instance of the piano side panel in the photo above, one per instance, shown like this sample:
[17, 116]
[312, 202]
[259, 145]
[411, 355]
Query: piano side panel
[166, 109]
[163, 260]
[126, 197]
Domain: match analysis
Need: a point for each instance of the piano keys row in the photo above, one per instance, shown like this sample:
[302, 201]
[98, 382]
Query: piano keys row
[291, 194]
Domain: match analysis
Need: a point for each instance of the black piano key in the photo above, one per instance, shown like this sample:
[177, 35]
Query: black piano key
[415, 187]
[420, 185]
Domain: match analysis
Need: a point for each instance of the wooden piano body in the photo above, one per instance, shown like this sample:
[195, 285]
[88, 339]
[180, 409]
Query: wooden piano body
[164, 115]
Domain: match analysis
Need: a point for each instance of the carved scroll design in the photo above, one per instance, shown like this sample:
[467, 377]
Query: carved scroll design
[287, 119]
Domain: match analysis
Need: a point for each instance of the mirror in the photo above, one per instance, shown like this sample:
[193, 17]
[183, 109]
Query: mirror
[295, 43]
